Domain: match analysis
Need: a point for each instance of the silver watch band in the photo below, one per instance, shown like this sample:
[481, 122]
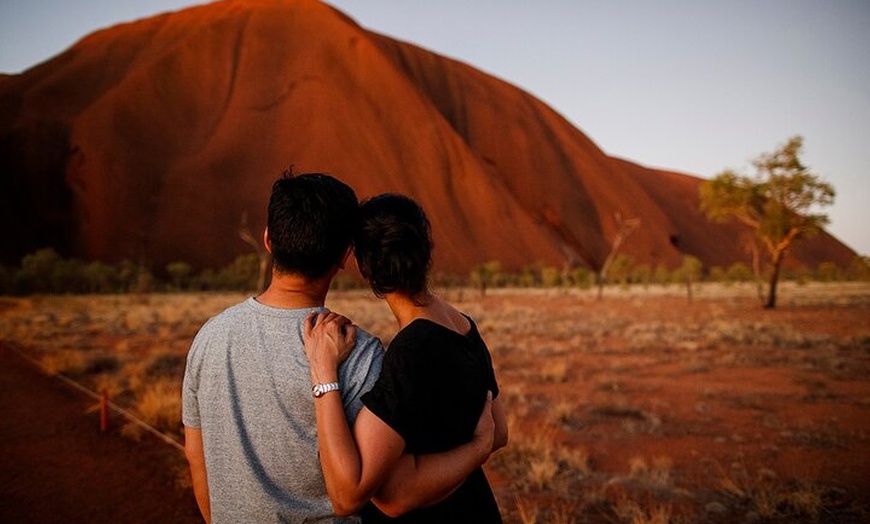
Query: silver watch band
[318, 390]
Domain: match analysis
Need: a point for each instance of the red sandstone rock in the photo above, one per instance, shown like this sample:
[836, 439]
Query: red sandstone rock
[150, 140]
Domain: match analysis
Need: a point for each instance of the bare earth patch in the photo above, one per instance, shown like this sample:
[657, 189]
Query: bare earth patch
[642, 407]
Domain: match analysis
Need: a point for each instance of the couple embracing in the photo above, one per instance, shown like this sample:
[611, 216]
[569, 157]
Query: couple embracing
[293, 414]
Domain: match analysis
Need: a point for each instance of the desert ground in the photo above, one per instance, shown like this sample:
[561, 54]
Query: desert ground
[641, 407]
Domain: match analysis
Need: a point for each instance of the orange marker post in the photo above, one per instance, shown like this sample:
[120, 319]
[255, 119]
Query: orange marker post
[104, 411]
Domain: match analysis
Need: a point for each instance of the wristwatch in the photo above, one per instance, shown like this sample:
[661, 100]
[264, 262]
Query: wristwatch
[318, 390]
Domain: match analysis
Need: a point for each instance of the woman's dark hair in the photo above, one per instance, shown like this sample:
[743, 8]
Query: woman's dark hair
[393, 245]
[311, 221]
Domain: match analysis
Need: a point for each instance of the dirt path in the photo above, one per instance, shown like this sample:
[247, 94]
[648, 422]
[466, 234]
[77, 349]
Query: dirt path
[56, 465]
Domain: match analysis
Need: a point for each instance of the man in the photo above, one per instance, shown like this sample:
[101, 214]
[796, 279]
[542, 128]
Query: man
[250, 433]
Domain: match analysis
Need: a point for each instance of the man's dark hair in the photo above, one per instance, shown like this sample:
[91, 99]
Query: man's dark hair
[393, 245]
[312, 218]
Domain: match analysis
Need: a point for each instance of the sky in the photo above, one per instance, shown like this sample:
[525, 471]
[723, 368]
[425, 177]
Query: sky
[695, 86]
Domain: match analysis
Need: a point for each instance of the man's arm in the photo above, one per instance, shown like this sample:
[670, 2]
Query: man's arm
[353, 470]
[196, 459]
[423, 480]
[500, 439]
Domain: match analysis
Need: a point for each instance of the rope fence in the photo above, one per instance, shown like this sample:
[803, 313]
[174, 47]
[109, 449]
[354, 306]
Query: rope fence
[105, 403]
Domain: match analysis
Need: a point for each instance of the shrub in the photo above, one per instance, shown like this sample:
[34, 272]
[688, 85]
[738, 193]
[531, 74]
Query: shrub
[859, 269]
[180, 273]
[662, 275]
[486, 275]
[717, 274]
[551, 276]
[739, 272]
[100, 278]
[580, 277]
[642, 274]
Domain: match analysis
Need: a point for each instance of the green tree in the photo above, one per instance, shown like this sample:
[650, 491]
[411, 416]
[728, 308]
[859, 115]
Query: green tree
[690, 272]
[779, 204]
[69, 276]
[580, 277]
[486, 275]
[551, 276]
[738, 272]
[128, 273]
[100, 277]
[444, 280]
[624, 228]
[263, 255]
[642, 274]
[144, 280]
[662, 275]
[206, 280]
[38, 271]
[620, 269]
[717, 274]
[828, 272]
[859, 268]
[180, 273]
[530, 275]
[242, 274]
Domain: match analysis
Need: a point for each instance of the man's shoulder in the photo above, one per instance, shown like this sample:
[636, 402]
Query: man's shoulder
[226, 320]
[364, 337]
[236, 310]
[368, 351]
[367, 345]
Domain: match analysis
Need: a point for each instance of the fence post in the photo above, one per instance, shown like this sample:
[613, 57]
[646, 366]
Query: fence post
[104, 411]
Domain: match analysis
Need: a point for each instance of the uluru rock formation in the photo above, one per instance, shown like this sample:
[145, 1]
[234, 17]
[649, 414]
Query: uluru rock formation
[152, 140]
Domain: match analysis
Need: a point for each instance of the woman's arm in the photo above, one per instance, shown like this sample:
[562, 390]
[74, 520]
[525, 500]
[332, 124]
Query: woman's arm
[353, 474]
[350, 479]
[355, 466]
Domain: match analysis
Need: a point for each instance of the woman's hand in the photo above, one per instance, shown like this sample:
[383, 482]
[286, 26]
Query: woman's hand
[329, 339]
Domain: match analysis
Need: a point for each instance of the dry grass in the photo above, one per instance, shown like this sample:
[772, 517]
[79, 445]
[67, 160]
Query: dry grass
[764, 494]
[621, 410]
[132, 347]
[64, 362]
[656, 474]
[631, 511]
[159, 404]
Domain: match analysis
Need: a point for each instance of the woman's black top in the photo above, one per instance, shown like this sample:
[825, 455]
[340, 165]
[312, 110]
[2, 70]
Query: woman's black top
[431, 391]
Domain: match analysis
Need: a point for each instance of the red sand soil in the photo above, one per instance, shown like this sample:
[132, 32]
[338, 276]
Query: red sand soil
[713, 405]
[108, 478]
[775, 403]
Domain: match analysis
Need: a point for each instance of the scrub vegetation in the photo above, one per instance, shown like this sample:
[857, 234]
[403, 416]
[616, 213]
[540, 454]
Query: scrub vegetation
[641, 407]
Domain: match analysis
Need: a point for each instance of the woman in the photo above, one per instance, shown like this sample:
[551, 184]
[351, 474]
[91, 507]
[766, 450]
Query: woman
[429, 396]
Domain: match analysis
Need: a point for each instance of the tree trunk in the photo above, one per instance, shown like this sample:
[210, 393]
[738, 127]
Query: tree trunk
[624, 227]
[756, 272]
[774, 280]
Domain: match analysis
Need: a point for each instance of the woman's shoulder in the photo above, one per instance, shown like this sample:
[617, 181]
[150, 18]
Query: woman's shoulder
[414, 333]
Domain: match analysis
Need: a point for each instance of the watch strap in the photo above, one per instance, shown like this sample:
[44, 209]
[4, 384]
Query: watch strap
[318, 390]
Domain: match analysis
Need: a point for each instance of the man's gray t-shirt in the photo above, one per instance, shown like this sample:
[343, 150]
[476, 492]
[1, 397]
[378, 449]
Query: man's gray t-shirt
[247, 386]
